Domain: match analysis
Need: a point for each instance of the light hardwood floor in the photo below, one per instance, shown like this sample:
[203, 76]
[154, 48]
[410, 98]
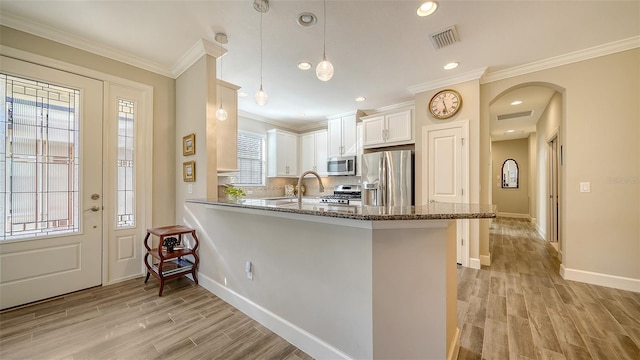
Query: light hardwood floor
[519, 308]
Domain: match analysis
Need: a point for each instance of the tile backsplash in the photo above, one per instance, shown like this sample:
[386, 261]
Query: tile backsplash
[276, 186]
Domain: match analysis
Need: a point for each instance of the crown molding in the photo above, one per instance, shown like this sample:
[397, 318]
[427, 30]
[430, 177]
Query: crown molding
[573, 57]
[265, 120]
[437, 84]
[200, 48]
[56, 35]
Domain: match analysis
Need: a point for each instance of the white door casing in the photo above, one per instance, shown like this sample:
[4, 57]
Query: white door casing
[32, 269]
[124, 244]
[446, 168]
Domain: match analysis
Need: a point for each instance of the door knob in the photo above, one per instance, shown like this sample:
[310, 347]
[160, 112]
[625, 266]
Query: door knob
[94, 208]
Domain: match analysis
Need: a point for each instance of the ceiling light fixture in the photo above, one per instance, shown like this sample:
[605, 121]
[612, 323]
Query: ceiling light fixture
[517, 102]
[451, 66]
[307, 19]
[427, 8]
[361, 98]
[221, 113]
[305, 65]
[324, 70]
[261, 96]
[221, 38]
[510, 131]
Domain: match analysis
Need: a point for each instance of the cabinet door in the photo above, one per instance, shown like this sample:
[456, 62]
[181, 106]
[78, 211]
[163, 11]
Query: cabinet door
[359, 150]
[334, 139]
[321, 152]
[308, 152]
[349, 138]
[291, 152]
[281, 154]
[373, 131]
[399, 127]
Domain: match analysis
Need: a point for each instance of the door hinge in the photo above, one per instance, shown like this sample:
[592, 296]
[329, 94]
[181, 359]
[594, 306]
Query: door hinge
[462, 192]
[462, 241]
[462, 141]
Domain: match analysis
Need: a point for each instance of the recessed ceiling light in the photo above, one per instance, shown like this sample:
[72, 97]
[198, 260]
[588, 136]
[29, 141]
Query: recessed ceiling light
[307, 19]
[510, 131]
[304, 65]
[221, 38]
[451, 65]
[517, 102]
[427, 8]
[361, 98]
[242, 94]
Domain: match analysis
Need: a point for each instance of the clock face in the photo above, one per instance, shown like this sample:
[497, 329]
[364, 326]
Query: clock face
[445, 104]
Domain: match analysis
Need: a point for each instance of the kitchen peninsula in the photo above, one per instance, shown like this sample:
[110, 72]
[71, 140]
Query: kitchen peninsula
[361, 282]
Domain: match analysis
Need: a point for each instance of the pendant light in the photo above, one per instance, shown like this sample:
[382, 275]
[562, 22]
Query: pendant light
[221, 114]
[261, 96]
[324, 70]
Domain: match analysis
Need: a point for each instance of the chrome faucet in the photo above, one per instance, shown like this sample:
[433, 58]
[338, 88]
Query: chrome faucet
[300, 183]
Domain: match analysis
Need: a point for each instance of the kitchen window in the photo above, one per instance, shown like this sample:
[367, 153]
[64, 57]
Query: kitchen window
[251, 159]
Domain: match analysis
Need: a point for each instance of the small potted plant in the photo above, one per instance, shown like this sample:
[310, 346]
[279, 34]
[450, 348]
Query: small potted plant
[234, 193]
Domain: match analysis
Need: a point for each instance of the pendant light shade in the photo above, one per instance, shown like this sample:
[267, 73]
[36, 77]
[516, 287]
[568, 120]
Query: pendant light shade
[221, 114]
[324, 70]
[261, 97]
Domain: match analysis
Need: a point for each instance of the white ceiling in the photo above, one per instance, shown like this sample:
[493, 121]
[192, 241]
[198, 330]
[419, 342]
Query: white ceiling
[380, 49]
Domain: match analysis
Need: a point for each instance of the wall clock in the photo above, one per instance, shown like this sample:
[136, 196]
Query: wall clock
[444, 104]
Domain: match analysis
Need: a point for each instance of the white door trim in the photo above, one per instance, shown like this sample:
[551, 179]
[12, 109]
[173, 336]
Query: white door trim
[462, 225]
[147, 175]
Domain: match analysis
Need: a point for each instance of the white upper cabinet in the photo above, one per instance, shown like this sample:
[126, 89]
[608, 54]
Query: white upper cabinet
[227, 131]
[313, 152]
[342, 136]
[360, 148]
[388, 129]
[282, 154]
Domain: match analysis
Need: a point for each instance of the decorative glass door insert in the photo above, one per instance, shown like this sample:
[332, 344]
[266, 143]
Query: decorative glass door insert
[39, 188]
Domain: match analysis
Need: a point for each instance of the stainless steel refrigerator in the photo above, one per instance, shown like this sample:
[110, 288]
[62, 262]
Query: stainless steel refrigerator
[387, 178]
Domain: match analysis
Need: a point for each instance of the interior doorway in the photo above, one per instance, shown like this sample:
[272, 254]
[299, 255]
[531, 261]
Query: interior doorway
[553, 165]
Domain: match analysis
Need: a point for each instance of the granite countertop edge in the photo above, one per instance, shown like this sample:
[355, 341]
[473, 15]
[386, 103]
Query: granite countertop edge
[435, 211]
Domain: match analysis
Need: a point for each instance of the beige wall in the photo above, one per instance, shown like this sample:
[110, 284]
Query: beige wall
[470, 92]
[600, 229]
[163, 108]
[511, 201]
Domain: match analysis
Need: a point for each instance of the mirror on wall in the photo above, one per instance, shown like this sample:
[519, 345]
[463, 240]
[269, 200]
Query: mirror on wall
[510, 174]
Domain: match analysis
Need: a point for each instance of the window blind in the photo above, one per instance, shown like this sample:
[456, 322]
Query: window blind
[250, 159]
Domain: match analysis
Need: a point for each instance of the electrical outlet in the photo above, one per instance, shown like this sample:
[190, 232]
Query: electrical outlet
[190, 189]
[585, 187]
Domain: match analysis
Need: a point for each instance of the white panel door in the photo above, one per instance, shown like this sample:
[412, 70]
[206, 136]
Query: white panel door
[51, 232]
[447, 173]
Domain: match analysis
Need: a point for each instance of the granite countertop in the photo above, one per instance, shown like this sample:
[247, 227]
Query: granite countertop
[312, 206]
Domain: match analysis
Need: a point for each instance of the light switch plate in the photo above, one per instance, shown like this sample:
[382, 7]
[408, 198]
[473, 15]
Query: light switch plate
[585, 187]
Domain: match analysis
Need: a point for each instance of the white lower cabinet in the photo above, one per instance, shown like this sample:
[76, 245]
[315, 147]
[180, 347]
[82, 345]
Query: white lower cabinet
[282, 154]
[313, 152]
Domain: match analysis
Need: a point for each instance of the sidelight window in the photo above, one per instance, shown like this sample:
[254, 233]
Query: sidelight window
[39, 132]
[125, 216]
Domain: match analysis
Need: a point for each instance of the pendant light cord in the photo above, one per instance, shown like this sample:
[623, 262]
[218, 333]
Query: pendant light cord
[260, 50]
[324, 31]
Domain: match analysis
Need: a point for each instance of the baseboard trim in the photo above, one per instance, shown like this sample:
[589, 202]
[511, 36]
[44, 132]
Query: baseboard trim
[541, 232]
[474, 263]
[514, 215]
[485, 260]
[300, 338]
[613, 281]
[454, 348]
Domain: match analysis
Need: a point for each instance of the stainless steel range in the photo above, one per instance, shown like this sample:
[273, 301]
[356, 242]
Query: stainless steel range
[343, 195]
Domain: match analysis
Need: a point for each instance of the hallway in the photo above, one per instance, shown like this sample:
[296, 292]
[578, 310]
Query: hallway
[520, 307]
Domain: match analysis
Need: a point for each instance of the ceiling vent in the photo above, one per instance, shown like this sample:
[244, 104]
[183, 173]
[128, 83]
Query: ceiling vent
[515, 115]
[444, 37]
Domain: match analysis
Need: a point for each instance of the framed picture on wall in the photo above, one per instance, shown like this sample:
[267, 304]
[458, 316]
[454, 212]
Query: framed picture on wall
[189, 171]
[189, 145]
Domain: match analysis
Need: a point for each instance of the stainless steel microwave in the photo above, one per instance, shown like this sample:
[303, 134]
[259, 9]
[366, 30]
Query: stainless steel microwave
[343, 165]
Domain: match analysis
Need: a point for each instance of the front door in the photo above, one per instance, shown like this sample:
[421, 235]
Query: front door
[447, 173]
[50, 182]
